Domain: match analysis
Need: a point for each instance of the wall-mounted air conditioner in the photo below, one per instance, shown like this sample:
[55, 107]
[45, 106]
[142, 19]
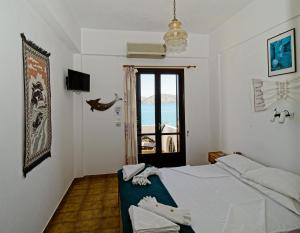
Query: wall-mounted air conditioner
[139, 50]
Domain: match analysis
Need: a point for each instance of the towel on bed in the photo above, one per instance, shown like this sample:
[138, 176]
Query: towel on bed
[177, 215]
[144, 221]
[141, 179]
[130, 171]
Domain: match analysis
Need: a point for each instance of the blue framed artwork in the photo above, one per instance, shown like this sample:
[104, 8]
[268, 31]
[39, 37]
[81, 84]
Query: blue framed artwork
[282, 54]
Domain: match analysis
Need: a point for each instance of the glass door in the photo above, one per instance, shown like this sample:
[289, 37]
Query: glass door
[160, 114]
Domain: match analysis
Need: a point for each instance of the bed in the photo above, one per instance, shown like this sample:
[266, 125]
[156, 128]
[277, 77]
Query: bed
[217, 200]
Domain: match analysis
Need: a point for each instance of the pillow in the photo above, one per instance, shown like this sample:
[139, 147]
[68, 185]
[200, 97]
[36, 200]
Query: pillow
[228, 169]
[276, 179]
[240, 163]
[283, 200]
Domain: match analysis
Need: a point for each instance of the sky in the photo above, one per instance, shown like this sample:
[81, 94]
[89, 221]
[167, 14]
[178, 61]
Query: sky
[168, 84]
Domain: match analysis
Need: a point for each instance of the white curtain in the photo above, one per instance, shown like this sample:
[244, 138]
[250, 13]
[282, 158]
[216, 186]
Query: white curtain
[130, 115]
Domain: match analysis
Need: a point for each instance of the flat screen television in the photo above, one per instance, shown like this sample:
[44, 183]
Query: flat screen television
[78, 81]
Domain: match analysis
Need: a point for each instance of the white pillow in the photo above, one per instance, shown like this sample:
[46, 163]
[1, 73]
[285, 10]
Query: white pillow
[283, 200]
[240, 163]
[276, 179]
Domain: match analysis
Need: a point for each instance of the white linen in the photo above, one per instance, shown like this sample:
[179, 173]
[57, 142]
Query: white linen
[209, 201]
[276, 179]
[228, 169]
[130, 171]
[246, 217]
[144, 221]
[141, 179]
[240, 163]
[205, 172]
[286, 201]
[176, 215]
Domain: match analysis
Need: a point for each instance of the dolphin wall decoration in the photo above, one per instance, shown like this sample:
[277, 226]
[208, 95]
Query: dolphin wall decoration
[95, 104]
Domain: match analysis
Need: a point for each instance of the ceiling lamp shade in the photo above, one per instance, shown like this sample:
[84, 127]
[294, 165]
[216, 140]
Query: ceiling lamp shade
[176, 38]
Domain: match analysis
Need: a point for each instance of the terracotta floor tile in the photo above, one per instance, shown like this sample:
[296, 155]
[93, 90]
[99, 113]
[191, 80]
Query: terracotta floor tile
[110, 212]
[111, 203]
[94, 197]
[65, 217]
[90, 214]
[70, 207]
[107, 223]
[90, 206]
[98, 191]
[61, 228]
[74, 199]
[111, 230]
[77, 192]
[109, 196]
[80, 186]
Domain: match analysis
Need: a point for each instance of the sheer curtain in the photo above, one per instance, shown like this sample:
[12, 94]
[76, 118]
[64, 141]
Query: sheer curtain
[130, 115]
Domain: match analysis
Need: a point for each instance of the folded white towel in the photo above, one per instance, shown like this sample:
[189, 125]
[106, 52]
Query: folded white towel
[177, 215]
[130, 171]
[141, 179]
[144, 221]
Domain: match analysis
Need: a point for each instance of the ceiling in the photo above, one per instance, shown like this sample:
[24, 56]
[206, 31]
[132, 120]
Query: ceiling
[197, 16]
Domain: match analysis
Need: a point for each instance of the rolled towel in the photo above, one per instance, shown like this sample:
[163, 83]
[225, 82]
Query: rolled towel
[144, 221]
[177, 215]
[130, 171]
[141, 179]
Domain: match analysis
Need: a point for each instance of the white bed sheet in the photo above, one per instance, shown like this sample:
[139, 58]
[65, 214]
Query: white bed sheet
[210, 199]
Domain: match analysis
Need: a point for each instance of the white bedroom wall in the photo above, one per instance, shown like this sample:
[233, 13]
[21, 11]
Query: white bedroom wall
[26, 204]
[99, 144]
[59, 17]
[238, 53]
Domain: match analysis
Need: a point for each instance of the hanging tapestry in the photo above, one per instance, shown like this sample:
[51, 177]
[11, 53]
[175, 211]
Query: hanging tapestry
[37, 105]
[266, 92]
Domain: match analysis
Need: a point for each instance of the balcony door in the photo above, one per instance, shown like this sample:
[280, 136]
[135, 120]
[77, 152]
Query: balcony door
[160, 116]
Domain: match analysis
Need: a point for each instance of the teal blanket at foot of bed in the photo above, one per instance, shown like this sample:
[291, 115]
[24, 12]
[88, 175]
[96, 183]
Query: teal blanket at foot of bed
[131, 195]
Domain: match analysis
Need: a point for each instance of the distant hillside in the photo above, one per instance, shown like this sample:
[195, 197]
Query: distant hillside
[165, 99]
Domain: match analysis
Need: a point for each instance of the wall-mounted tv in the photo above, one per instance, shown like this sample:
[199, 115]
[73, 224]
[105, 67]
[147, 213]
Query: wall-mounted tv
[78, 81]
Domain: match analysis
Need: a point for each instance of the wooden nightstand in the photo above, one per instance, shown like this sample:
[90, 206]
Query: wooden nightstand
[212, 156]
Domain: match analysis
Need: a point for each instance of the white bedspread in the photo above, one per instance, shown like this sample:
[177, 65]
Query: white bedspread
[248, 217]
[204, 172]
[215, 201]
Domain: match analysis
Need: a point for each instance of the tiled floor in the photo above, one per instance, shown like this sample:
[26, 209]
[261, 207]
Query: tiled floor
[90, 206]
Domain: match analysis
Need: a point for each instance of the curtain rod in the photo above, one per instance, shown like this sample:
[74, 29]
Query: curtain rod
[153, 66]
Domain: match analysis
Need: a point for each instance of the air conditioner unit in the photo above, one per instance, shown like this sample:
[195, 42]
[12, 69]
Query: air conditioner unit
[139, 50]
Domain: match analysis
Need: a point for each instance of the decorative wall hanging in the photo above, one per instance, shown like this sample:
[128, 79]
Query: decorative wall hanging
[282, 54]
[267, 92]
[95, 105]
[37, 101]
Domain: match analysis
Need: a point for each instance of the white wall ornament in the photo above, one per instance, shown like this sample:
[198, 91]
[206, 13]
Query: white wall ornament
[266, 92]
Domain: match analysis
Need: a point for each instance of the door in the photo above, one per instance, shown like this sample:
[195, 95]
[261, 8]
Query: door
[160, 116]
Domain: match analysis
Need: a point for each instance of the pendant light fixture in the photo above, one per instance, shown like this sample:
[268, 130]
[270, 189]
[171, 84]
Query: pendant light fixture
[176, 38]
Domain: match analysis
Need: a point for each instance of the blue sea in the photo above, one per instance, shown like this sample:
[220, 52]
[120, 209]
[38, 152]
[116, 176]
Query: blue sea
[168, 114]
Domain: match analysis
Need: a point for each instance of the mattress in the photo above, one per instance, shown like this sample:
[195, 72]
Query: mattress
[210, 192]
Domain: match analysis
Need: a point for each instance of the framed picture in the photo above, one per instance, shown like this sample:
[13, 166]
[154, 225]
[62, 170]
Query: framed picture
[282, 54]
[37, 105]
